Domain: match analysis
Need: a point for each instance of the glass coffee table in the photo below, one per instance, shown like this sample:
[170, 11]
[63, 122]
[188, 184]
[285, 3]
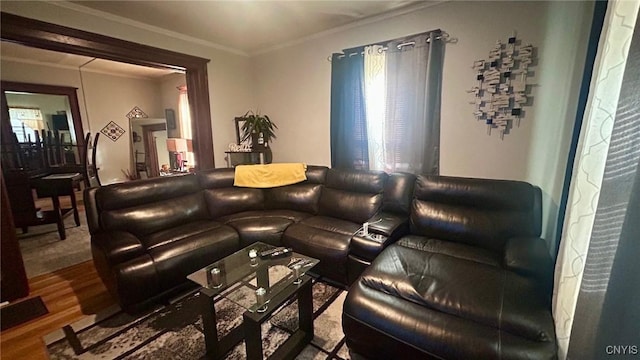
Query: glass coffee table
[260, 286]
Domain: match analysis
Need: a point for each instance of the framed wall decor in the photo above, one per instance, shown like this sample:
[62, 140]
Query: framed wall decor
[502, 85]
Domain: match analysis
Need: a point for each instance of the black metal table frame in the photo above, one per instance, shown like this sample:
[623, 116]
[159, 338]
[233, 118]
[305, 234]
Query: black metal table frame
[250, 330]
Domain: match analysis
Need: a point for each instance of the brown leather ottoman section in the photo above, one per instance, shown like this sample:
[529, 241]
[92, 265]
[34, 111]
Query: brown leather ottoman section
[326, 239]
[404, 305]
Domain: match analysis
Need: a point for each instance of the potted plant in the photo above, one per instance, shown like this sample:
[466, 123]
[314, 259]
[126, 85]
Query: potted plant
[259, 128]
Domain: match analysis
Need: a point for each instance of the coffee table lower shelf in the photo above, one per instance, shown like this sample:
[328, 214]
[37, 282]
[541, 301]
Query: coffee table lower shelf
[251, 332]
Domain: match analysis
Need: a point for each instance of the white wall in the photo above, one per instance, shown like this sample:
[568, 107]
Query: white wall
[110, 98]
[293, 88]
[230, 87]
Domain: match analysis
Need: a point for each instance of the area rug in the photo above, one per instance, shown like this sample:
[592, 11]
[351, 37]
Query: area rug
[174, 331]
[43, 252]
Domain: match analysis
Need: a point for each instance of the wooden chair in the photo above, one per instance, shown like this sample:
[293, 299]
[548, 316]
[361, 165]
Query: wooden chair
[141, 166]
[90, 171]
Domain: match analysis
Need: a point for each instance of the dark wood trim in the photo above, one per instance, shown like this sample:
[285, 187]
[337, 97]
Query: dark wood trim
[150, 150]
[69, 92]
[49, 36]
[13, 284]
[198, 87]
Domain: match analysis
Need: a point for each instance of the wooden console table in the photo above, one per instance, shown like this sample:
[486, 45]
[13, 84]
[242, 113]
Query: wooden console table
[248, 157]
[54, 186]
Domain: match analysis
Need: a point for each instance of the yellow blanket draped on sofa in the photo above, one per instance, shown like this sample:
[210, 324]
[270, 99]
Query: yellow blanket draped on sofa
[271, 175]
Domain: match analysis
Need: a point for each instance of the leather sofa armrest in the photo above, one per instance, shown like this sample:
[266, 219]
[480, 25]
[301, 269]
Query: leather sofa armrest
[117, 246]
[529, 256]
[391, 225]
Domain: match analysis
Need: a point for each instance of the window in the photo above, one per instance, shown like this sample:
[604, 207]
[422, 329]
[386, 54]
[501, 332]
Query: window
[184, 114]
[385, 106]
[26, 121]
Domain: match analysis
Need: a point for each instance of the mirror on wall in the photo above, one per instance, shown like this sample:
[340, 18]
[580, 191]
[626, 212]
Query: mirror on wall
[31, 112]
[38, 111]
[149, 153]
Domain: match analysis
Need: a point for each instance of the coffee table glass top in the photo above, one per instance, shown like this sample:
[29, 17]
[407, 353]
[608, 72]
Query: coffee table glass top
[238, 276]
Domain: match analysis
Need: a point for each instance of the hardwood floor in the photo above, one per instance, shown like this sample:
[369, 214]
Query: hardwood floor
[69, 294]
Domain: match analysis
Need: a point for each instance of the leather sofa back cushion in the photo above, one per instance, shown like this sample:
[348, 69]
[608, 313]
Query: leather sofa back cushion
[350, 206]
[316, 174]
[352, 195]
[231, 200]
[475, 211]
[299, 197]
[398, 193]
[155, 216]
[133, 193]
[371, 182]
[216, 178]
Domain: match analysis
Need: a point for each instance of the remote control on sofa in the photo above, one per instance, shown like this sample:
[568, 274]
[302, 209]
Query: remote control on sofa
[276, 252]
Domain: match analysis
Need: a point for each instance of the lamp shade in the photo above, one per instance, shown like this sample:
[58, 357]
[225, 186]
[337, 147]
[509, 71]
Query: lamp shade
[178, 145]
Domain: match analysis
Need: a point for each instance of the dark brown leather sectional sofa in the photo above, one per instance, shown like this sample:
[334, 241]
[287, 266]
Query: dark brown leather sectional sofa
[459, 272]
[147, 236]
[471, 279]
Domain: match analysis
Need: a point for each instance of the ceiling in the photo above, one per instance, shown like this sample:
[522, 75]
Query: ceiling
[248, 26]
[242, 26]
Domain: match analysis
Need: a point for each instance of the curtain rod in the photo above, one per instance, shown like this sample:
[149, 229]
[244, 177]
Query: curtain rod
[404, 41]
[386, 42]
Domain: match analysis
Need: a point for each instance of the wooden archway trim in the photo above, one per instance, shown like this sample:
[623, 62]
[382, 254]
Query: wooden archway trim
[54, 37]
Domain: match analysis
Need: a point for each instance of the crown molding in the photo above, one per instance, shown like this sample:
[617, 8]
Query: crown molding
[361, 22]
[141, 25]
[75, 68]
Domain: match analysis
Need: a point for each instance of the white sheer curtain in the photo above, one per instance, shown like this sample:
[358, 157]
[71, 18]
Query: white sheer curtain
[402, 88]
[375, 88]
[184, 113]
[581, 228]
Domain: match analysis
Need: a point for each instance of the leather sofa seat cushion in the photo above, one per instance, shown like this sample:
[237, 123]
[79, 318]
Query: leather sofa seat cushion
[265, 229]
[444, 298]
[262, 225]
[326, 239]
[176, 259]
[456, 250]
[179, 233]
[142, 220]
[295, 216]
[381, 326]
